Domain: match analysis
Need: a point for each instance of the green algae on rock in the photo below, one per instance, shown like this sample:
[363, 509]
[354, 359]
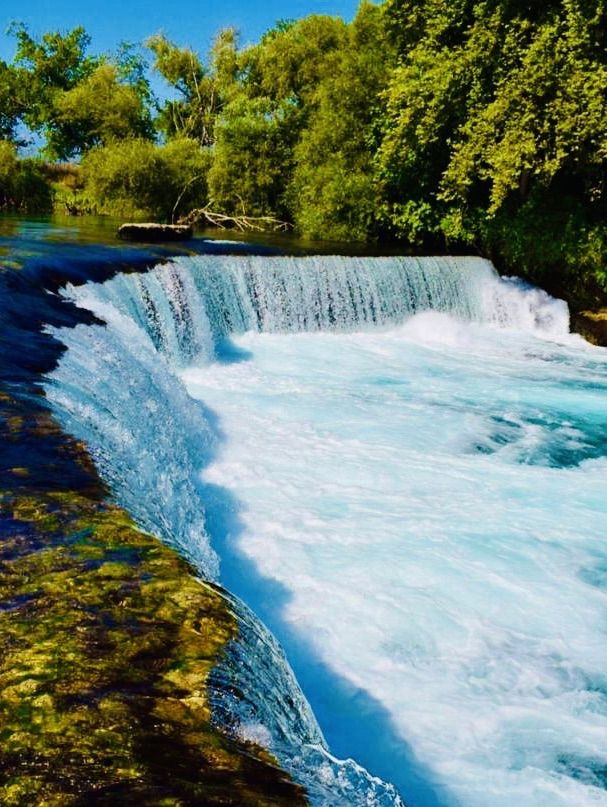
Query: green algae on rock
[106, 636]
[592, 325]
[106, 643]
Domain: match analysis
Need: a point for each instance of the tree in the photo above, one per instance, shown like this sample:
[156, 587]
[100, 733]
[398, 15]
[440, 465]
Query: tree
[74, 100]
[252, 158]
[494, 131]
[193, 114]
[9, 106]
[293, 58]
[95, 112]
[272, 92]
[333, 193]
[45, 67]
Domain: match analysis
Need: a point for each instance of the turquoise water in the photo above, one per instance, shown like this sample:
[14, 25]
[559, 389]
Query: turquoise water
[430, 498]
[399, 465]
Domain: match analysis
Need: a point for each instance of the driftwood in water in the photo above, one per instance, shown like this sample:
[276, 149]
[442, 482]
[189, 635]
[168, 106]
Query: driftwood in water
[155, 232]
[205, 215]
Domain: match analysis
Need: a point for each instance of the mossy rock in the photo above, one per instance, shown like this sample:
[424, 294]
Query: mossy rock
[153, 232]
[592, 325]
[106, 643]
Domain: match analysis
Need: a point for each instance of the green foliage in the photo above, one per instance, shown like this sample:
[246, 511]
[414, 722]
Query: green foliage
[272, 93]
[193, 114]
[333, 193]
[78, 101]
[446, 124]
[47, 66]
[132, 68]
[8, 161]
[293, 58]
[548, 111]
[554, 242]
[496, 129]
[98, 110]
[9, 106]
[252, 158]
[23, 184]
[56, 59]
[137, 178]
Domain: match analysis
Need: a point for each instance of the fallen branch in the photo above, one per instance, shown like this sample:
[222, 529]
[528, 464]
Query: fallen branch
[243, 223]
[188, 184]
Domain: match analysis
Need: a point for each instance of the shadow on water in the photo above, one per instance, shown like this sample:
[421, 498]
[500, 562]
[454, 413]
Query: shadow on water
[354, 723]
[227, 352]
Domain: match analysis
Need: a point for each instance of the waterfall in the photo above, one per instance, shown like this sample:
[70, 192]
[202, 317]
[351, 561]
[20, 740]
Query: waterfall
[117, 389]
[186, 306]
[116, 385]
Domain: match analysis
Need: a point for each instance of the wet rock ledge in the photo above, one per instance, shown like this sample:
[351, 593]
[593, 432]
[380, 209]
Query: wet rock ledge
[107, 638]
[106, 643]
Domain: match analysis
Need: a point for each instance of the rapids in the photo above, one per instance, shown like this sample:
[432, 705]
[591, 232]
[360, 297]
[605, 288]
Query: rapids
[398, 464]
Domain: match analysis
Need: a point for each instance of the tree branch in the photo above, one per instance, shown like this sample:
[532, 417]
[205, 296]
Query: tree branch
[243, 223]
[182, 194]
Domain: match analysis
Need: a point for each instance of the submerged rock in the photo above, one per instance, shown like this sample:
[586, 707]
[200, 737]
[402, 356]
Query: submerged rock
[107, 641]
[107, 637]
[155, 232]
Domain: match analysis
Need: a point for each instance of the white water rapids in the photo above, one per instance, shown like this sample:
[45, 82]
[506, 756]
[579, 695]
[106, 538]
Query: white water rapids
[399, 465]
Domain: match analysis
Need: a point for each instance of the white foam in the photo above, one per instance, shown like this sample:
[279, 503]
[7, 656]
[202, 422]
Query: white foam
[451, 581]
[431, 498]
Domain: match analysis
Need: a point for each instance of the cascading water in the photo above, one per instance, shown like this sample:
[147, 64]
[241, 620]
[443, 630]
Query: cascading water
[186, 306]
[394, 441]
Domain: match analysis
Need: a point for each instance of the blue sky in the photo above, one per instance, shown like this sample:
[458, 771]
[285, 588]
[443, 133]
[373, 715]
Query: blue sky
[188, 22]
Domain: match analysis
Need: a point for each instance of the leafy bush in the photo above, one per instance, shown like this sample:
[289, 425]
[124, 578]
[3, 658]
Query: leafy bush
[24, 186]
[137, 178]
